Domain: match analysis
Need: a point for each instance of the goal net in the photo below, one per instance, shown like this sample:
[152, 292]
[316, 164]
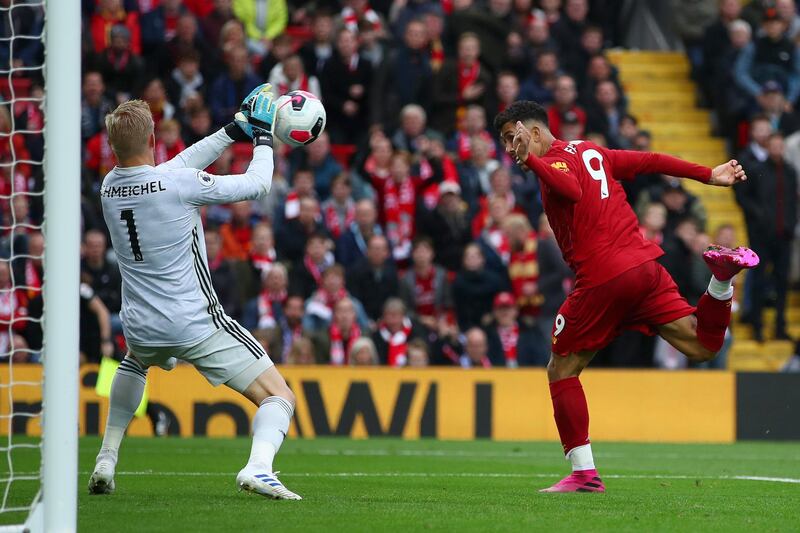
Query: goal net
[39, 246]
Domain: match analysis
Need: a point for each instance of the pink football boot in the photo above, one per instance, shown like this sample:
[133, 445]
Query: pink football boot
[579, 481]
[726, 262]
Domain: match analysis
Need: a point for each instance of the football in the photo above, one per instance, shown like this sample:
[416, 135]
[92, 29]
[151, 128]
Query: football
[300, 119]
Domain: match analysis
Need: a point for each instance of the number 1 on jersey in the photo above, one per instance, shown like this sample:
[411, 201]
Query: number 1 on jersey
[598, 175]
[127, 216]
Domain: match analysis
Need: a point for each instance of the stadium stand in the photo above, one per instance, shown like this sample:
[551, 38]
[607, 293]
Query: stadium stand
[420, 82]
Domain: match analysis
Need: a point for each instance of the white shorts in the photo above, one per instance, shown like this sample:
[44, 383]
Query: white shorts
[234, 357]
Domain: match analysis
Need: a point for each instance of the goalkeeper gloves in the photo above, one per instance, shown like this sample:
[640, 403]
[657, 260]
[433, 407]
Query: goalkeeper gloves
[256, 117]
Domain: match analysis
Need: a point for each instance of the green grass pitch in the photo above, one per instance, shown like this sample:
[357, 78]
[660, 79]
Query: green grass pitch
[392, 485]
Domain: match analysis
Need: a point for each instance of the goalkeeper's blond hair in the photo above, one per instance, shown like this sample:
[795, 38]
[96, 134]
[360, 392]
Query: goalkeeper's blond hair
[129, 128]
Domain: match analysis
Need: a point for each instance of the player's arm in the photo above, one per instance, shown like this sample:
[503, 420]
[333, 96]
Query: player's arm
[197, 187]
[562, 183]
[627, 164]
[207, 150]
[201, 188]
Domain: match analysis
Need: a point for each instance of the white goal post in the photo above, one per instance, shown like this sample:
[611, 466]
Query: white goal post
[55, 508]
[62, 168]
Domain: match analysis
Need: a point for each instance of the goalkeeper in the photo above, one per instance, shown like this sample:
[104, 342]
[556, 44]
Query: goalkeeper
[169, 308]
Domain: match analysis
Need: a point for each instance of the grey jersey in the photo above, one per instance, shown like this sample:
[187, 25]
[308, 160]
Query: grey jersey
[153, 216]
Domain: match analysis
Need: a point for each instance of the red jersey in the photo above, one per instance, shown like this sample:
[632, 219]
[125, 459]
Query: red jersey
[595, 227]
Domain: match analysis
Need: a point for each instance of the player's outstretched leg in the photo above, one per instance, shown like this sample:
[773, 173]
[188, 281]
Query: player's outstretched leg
[271, 423]
[572, 419]
[126, 394]
[701, 336]
[714, 307]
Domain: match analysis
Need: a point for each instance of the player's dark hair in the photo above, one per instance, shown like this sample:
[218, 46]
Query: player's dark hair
[521, 111]
[759, 117]
[628, 116]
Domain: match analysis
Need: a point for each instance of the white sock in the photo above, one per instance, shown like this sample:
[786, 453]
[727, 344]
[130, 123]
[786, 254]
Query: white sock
[269, 429]
[720, 290]
[126, 394]
[581, 458]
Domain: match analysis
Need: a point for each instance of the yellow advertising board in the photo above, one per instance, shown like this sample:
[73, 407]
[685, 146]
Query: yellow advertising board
[445, 403]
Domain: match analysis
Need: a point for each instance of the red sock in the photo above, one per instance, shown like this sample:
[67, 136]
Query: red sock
[713, 317]
[571, 412]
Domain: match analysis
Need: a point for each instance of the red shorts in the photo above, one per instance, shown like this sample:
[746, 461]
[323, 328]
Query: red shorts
[639, 299]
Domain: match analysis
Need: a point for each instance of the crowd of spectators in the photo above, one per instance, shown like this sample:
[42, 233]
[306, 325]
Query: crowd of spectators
[748, 66]
[404, 235]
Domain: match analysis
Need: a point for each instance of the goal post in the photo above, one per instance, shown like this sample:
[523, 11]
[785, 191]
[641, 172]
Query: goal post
[62, 162]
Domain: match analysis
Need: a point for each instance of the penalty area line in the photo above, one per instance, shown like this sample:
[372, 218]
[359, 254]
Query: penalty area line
[467, 475]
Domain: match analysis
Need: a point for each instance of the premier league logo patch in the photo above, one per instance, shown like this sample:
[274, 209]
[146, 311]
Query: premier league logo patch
[206, 179]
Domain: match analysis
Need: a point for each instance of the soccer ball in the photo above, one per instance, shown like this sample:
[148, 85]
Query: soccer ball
[300, 119]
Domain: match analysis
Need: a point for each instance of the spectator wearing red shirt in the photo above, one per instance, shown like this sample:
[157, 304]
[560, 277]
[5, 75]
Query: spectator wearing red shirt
[652, 223]
[565, 97]
[320, 305]
[28, 269]
[99, 159]
[333, 345]
[500, 182]
[399, 206]
[168, 141]
[201, 8]
[339, 211]
[511, 343]
[306, 275]
[460, 82]
[474, 125]
[424, 287]
[393, 332]
[523, 266]
[266, 308]
[376, 168]
[476, 350]
[262, 253]
[493, 240]
[156, 97]
[121, 68]
[12, 146]
[108, 14]
[302, 188]
[13, 308]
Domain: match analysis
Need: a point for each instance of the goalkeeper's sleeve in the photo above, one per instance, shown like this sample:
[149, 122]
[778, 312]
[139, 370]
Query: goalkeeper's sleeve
[197, 187]
[206, 151]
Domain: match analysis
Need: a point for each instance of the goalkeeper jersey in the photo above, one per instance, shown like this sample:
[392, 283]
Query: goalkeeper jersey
[153, 216]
